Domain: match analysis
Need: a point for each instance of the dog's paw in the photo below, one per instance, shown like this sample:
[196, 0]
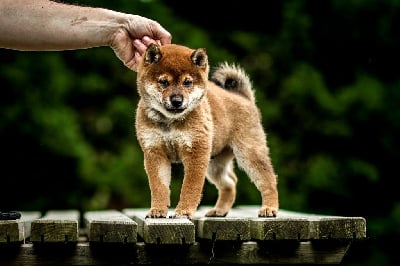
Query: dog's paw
[183, 214]
[175, 216]
[267, 211]
[216, 213]
[157, 213]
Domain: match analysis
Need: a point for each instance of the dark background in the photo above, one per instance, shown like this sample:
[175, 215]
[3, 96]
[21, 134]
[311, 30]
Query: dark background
[327, 83]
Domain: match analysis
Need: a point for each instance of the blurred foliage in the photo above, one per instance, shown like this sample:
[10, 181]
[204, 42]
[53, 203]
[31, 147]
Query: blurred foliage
[326, 82]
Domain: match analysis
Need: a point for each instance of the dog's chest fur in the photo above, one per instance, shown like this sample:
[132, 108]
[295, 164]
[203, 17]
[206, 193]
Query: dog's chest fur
[171, 140]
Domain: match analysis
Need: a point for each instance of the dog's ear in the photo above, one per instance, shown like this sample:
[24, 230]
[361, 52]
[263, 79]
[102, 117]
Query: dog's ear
[199, 57]
[153, 54]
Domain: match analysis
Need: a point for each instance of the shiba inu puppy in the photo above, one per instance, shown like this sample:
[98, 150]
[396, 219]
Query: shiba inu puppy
[183, 117]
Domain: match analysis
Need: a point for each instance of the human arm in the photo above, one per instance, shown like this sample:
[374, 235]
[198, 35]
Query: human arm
[43, 25]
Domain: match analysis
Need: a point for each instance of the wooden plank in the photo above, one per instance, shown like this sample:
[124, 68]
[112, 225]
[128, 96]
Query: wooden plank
[180, 231]
[290, 225]
[16, 231]
[249, 253]
[285, 226]
[233, 227]
[110, 226]
[291, 237]
[341, 228]
[57, 226]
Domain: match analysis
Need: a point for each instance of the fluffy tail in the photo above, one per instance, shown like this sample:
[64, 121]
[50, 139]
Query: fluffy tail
[233, 78]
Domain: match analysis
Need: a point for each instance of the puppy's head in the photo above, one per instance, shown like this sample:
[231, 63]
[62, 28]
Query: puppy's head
[171, 79]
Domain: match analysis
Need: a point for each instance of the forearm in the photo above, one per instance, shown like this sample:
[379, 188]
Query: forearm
[46, 25]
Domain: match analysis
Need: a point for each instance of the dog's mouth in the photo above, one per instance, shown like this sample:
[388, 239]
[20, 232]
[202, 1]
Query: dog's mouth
[175, 110]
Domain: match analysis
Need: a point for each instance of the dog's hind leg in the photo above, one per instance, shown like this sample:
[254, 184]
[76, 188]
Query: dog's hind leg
[253, 157]
[220, 173]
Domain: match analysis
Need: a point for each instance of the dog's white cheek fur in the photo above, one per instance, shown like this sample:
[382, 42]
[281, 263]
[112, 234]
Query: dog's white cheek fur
[194, 97]
[156, 103]
[153, 97]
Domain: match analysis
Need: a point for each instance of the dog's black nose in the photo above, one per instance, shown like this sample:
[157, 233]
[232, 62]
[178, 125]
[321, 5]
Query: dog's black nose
[176, 100]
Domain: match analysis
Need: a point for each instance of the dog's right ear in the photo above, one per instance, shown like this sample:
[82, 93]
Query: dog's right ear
[153, 54]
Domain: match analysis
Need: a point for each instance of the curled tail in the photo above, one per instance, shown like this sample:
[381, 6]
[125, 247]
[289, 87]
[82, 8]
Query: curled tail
[233, 78]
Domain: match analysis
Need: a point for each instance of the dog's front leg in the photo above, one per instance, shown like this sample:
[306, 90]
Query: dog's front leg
[195, 166]
[158, 169]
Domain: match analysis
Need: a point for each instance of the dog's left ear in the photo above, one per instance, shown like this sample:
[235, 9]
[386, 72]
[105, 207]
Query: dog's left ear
[153, 54]
[199, 57]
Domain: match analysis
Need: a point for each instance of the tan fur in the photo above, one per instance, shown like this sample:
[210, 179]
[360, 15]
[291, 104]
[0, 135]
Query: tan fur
[183, 117]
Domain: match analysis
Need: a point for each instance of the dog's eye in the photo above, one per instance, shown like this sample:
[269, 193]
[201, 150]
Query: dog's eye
[163, 82]
[187, 82]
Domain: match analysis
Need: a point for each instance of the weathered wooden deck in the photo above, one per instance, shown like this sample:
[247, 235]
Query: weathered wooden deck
[125, 237]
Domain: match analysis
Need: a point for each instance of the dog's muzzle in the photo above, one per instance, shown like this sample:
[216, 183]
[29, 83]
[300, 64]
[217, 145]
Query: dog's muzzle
[176, 103]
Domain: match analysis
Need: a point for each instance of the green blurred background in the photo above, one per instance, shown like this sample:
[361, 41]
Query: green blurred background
[327, 83]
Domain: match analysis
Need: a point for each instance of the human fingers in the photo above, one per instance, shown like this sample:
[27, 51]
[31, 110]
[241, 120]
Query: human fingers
[139, 27]
[137, 59]
[159, 33]
[125, 49]
[163, 35]
[140, 46]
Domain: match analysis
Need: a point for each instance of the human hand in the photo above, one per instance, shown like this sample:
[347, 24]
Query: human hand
[130, 42]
